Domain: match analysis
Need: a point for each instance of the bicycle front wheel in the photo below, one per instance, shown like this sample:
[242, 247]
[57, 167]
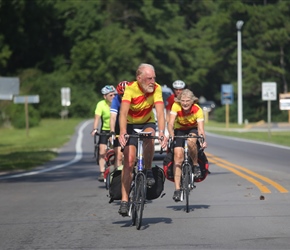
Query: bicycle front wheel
[186, 184]
[139, 199]
[96, 153]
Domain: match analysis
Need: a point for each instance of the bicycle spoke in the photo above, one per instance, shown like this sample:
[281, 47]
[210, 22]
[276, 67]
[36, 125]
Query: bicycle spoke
[186, 184]
[140, 197]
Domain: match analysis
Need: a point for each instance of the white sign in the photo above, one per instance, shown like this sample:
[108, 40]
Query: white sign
[269, 91]
[26, 99]
[284, 101]
[6, 97]
[65, 96]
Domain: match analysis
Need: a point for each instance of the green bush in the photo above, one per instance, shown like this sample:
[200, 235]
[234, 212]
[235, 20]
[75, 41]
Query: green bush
[18, 116]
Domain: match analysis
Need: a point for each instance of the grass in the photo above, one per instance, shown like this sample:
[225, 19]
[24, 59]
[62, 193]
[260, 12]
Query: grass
[19, 151]
[281, 137]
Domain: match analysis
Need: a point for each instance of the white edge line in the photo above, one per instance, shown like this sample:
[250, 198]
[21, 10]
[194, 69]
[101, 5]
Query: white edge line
[78, 156]
[249, 141]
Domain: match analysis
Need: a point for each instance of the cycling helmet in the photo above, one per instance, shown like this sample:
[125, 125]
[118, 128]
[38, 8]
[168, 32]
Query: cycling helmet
[121, 87]
[178, 84]
[108, 89]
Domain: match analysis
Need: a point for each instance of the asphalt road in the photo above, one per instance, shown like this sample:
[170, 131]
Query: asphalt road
[243, 203]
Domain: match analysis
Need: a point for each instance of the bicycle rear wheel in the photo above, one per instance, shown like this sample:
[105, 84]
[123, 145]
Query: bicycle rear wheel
[139, 199]
[108, 177]
[186, 184]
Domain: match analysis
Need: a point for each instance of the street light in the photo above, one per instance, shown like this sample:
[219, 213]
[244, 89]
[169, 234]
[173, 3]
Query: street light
[240, 90]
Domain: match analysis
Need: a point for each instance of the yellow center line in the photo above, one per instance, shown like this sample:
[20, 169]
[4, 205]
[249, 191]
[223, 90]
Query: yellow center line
[233, 167]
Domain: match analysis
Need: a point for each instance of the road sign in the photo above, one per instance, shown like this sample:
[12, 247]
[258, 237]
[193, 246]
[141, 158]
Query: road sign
[9, 85]
[227, 96]
[6, 97]
[269, 91]
[284, 101]
[65, 97]
[26, 99]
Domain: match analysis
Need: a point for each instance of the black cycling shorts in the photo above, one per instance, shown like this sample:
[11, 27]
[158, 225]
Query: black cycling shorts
[130, 131]
[179, 142]
[116, 143]
[103, 139]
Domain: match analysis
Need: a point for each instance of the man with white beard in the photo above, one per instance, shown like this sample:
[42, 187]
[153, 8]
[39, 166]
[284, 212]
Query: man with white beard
[136, 112]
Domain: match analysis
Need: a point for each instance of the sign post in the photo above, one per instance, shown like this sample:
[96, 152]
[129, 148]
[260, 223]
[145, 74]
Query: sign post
[269, 93]
[227, 99]
[26, 99]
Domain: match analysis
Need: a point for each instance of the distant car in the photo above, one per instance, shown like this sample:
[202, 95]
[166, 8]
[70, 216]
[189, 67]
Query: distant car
[207, 105]
[166, 92]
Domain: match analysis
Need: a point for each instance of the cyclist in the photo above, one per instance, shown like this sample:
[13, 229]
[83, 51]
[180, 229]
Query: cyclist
[102, 112]
[177, 86]
[186, 117]
[136, 112]
[114, 121]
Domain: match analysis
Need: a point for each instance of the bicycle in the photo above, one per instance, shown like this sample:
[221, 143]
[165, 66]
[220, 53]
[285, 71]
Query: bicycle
[109, 157]
[96, 148]
[187, 175]
[137, 194]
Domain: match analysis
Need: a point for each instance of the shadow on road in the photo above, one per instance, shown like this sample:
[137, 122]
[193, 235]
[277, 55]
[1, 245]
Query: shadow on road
[191, 207]
[146, 222]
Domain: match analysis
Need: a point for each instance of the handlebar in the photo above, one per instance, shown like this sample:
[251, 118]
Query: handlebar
[199, 137]
[99, 134]
[109, 143]
[143, 135]
[188, 136]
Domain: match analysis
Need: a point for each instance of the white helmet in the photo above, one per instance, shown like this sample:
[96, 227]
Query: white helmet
[178, 84]
[108, 89]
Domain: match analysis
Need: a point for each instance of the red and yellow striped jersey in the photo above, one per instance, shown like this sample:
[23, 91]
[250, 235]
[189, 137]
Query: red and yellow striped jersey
[141, 104]
[184, 120]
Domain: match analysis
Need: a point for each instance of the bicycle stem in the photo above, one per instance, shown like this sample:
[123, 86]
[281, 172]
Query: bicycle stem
[140, 155]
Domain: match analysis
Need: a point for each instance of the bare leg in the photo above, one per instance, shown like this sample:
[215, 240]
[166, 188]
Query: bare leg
[129, 161]
[118, 157]
[102, 153]
[193, 150]
[178, 159]
[148, 149]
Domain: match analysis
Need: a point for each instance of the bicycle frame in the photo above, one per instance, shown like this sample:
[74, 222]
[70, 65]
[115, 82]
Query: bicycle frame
[187, 176]
[139, 185]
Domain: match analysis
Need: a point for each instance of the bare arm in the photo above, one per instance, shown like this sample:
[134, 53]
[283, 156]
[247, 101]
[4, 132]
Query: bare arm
[200, 129]
[161, 123]
[123, 122]
[171, 124]
[96, 124]
[160, 116]
[167, 115]
[113, 119]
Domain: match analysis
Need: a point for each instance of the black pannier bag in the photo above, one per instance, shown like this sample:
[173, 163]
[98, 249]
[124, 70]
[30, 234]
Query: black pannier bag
[156, 190]
[168, 166]
[152, 193]
[202, 161]
[115, 185]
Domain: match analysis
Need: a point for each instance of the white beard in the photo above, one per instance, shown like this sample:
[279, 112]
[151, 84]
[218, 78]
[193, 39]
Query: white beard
[148, 88]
